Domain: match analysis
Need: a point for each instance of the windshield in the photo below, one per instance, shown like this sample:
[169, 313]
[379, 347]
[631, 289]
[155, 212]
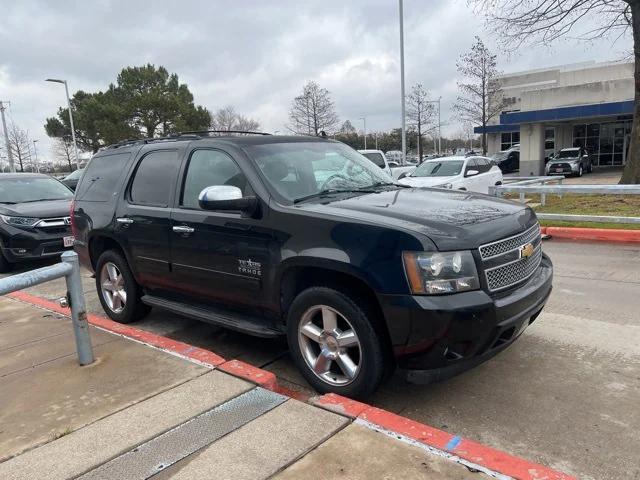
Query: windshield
[375, 158]
[74, 175]
[568, 154]
[438, 169]
[302, 169]
[499, 156]
[31, 189]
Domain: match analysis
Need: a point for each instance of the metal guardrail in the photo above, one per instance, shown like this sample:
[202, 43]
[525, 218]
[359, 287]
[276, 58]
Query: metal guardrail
[69, 268]
[532, 181]
[544, 190]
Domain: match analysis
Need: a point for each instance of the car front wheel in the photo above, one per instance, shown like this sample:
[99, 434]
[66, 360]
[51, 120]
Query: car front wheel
[334, 344]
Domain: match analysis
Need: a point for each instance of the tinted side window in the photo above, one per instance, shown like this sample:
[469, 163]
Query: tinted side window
[154, 178]
[483, 164]
[208, 168]
[471, 165]
[375, 158]
[100, 178]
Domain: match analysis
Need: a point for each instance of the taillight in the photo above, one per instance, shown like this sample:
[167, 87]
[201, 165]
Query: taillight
[71, 219]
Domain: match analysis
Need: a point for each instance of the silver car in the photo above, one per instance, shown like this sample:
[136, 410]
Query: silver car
[570, 161]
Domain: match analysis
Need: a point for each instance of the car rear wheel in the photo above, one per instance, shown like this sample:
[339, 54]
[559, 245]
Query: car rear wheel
[117, 289]
[580, 170]
[334, 344]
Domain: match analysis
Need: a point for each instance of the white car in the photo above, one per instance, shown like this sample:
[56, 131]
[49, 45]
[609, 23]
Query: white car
[475, 174]
[389, 166]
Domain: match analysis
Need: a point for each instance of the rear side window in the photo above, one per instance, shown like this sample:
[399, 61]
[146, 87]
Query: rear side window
[375, 158]
[100, 179]
[155, 178]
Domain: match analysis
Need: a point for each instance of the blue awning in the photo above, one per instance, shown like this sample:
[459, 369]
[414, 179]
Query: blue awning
[510, 122]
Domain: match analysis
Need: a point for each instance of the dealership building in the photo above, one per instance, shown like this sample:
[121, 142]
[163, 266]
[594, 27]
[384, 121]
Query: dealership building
[581, 105]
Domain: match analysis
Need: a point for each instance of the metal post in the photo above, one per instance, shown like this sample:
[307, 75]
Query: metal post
[78, 309]
[35, 151]
[439, 128]
[73, 130]
[543, 199]
[404, 130]
[364, 121]
[376, 136]
[12, 167]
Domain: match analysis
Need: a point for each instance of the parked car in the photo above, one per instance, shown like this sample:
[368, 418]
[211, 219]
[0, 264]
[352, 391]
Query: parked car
[392, 168]
[570, 161]
[71, 180]
[305, 238]
[34, 218]
[507, 160]
[475, 174]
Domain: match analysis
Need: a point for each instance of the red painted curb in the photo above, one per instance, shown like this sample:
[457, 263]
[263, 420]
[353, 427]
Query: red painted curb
[594, 234]
[469, 450]
[181, 349]
[248, 372]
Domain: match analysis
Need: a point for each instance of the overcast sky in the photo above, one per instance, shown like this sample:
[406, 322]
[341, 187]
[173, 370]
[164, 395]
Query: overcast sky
[253, 54]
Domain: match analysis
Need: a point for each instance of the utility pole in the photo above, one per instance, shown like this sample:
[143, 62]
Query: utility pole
[35, 151]
[12, 168]
[404, 130]
[364, 120]
[439, 127]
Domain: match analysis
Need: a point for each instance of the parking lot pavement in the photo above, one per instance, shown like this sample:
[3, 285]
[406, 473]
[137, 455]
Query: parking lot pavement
[564, 395]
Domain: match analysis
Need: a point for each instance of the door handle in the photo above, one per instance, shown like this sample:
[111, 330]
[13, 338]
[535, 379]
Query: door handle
[124, 221]
[183, 229]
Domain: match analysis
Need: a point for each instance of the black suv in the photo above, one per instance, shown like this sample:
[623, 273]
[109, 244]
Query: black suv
[305, 237]
[34, 218]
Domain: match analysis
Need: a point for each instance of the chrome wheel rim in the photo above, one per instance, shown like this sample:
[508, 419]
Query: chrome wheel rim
[329, 345]
[112, 287]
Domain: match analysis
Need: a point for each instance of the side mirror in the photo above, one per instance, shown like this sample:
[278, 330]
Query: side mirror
[471, 173]
[402, 175]
[227, 198]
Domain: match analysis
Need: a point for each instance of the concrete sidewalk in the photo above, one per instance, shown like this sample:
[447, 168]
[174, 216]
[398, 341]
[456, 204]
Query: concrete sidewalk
[140, 412]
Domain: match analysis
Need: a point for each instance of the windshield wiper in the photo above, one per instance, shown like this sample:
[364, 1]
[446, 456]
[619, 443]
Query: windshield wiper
[9, 203]
[329, 191]
[43, 200]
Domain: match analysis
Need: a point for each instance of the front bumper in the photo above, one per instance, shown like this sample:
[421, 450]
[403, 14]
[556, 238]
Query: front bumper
[450, 334]
[19, 245]
[567, 169]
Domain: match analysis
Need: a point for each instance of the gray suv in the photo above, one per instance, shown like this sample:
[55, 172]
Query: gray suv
[570, 161]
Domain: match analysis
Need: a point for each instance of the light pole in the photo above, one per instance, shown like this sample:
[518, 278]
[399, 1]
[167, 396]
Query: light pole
[439, 101]
[73, 130]
[364, 121]
[35, 151]
[12, 167]
[404, 130]
[376, 137]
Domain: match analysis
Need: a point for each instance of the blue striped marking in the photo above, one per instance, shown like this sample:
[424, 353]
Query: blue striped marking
[453, 443]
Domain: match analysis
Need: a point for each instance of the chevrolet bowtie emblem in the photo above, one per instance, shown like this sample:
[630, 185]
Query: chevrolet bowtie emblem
[526, 250]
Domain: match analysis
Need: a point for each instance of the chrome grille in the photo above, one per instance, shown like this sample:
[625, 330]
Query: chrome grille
[514, 272]
[508, 244]
[504, 265]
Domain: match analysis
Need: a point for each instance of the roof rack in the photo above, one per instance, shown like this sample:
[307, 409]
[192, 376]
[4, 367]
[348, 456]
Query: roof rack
[246, 132]
[194, 135]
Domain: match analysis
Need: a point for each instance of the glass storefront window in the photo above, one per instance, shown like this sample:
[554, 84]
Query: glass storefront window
[604, 141]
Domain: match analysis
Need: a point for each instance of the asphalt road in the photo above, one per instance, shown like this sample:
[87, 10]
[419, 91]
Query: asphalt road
[566, 394]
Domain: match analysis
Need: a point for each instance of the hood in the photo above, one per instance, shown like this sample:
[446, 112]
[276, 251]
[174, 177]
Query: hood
[426, 181]
[43, 209]
[564, 160]
[453, 220]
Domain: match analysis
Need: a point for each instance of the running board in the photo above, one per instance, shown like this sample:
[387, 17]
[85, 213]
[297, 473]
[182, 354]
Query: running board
[234, 321]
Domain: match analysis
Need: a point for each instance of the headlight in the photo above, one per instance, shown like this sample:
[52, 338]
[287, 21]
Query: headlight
[440, 272]
[19, 221]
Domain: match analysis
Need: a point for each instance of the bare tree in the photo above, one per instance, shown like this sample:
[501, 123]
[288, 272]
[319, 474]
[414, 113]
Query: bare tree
[313, 111]
[20, 145]
[63, 148]
[520, 22]
[227, 118]
[420, 112]
[480, 97]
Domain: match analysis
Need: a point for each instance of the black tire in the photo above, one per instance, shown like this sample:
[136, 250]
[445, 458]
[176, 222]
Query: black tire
[5, 265]
[372, 361]
[133, 308]
[580, 171]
